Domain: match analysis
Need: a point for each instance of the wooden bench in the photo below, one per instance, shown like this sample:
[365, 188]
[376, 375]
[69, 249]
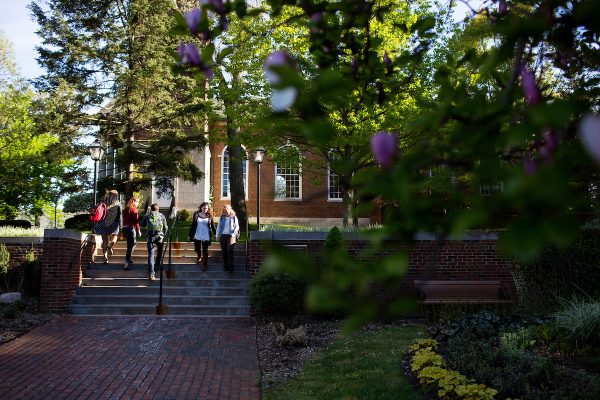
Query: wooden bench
[460, 292]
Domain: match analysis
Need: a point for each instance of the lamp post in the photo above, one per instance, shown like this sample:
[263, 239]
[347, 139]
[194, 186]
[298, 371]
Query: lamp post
[259, 154]
[96, 152]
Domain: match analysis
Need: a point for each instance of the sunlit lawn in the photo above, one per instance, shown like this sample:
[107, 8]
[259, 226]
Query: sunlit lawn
[366, 365]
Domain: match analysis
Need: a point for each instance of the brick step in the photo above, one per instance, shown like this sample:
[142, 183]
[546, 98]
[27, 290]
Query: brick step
[145, 282]
[143, 250]
[152, 298]
[150, 309]
[167, 291]
[142, 272]
[122, 244]
[143, 266]
[142, 258]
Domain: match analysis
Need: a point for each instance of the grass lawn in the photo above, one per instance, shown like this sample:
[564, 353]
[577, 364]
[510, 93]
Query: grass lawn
[365, 365]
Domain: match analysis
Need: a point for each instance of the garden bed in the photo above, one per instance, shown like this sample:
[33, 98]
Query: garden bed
[25, 319]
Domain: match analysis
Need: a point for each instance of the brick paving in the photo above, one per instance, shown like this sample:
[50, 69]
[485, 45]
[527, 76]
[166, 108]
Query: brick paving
[155, 358]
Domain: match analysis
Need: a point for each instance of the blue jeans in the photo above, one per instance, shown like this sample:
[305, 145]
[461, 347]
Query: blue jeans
[151, 247]
[129, 233]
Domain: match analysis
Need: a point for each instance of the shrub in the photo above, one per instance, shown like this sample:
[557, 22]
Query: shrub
[516, 373]
[580, 319]
[16, 223]
[4, 259]
[184, 214]
[12, 310]
[277, 293]
[429, 367]
[80, 222]
[78, 202]
[560, 273]
[334, 242]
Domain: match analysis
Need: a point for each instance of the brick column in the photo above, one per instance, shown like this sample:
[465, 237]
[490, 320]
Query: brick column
[64, 259]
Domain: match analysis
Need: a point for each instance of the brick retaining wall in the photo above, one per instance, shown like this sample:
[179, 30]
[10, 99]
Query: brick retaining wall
[64, 259]
[471, 258]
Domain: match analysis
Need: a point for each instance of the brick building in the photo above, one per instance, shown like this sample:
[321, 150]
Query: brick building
[288, 193]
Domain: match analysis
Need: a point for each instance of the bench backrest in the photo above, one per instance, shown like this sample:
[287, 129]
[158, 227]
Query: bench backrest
[484, 290]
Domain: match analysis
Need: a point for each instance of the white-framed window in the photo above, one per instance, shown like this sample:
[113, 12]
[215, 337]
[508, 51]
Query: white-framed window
[288, 182]
[334, 192]
[225, 192]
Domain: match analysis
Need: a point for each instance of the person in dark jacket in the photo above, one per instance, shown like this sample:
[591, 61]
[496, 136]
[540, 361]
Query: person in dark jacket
[131, 226]
[228, 232]
[203, 227]
[157, 230]
[111, 225]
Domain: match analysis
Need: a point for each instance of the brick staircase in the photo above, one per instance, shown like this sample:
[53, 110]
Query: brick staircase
[109, 290]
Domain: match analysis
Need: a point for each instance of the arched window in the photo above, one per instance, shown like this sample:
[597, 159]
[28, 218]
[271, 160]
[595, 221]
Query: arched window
[334, 192]
[225, 192]
[288, 182]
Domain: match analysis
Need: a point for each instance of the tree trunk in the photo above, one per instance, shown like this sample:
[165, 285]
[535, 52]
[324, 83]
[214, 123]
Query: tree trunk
[236, 177]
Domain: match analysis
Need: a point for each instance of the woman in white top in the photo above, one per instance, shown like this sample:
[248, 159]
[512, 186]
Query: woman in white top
[200, 232]
[228, 232]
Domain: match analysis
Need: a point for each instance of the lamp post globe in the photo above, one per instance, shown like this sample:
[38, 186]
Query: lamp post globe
[96, 153]
[259, 154]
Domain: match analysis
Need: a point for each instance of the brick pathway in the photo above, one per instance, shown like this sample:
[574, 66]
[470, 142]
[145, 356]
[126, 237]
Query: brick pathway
[132, 358]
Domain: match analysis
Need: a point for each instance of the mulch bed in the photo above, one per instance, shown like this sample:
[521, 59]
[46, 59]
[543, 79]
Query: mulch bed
[27, 318]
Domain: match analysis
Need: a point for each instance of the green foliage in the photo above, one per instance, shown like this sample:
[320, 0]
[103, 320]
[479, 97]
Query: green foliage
[334, 242]
[21, 232]
[16, 223]
[4, 259]
[483, 325]
[80, 222]
[518, 374]
[277, 292]
[566, 272]
[78, 202]
[580, 320]
[364, 365]
[430, 369]
[13, 310]
[184, 215]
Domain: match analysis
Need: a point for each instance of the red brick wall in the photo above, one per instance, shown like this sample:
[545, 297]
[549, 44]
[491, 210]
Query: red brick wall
[18, 248]
[314, 202]
[64, 259]
[473, 259]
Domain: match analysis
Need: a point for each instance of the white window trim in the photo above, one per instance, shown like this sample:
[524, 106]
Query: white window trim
[329, 198]
[222, 156]
[299, 198]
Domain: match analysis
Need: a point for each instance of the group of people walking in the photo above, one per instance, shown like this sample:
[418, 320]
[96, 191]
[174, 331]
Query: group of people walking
[127, 223]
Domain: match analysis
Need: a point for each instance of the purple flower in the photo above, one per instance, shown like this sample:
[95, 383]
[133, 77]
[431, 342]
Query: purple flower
[276, 59]
[217, 5]
[530, 89]
[190, 55]
[590, 135]
[192, 19]
[388, 62]
[529, 165]
[316, 17]
[502, 7]
[384, 146]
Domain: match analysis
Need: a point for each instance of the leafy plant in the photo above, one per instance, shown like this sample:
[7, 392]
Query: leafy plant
[566, 272]
[79, 222]
[580, 320]
[4, 262]
[277, 292]
[184, 214]
[21, 232]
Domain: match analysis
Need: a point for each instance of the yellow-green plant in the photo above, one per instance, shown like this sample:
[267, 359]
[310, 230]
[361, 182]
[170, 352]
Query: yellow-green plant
[430, 370]
[4, 261]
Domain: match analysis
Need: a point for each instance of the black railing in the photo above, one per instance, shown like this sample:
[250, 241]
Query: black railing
[162, 309]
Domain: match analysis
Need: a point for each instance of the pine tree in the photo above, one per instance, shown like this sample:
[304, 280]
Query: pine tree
[115, 58]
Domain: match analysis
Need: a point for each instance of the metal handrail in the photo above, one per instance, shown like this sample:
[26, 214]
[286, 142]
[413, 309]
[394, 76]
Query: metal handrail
[162, 309]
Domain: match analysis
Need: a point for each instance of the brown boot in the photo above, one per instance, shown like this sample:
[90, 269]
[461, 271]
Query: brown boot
[203, 263]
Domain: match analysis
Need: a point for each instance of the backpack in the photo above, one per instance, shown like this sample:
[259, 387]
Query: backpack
[98, 212]
[155, 222]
